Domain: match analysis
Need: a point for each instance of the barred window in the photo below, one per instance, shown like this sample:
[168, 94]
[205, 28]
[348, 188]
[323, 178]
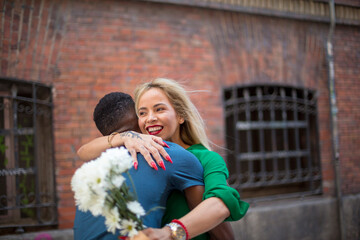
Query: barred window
[27, 193]
[272, 141]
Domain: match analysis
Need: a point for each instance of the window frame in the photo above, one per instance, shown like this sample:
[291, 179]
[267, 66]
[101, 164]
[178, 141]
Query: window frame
[30, 102]
[254, 117]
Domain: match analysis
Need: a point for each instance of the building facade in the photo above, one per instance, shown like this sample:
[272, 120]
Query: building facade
[276, 82]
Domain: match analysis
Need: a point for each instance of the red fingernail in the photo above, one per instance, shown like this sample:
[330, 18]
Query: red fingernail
[161, 163]
[135, 165]
[165, 145]
[153, 165]
[168, 158]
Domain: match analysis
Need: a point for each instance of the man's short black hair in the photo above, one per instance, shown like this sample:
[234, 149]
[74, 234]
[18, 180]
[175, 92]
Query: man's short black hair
[111, 109]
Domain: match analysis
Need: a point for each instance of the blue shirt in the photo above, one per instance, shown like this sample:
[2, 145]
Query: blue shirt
[152, 188]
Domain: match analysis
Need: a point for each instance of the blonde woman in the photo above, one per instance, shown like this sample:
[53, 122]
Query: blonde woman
[165, 110]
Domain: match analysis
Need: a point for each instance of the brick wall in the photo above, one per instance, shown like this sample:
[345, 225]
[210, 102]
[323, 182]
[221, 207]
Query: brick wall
[347, 75]
[86, 49]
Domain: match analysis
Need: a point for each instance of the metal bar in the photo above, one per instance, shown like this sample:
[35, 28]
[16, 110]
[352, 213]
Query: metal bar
[277, 182]
[37, 206]
[31, 100]
[334, 118]
[15, 137]
[17, 131]
[285, 132]
[16, 171]
[268, 98]
[251, 156]
[283, 196]
[28, 225]
[10, 81]
[248, 135]
[54, 192]
[261, 133]
[270, 125]
[297, 145]
[237, 139]
[273, 142]
[308, 147]
[36, 160]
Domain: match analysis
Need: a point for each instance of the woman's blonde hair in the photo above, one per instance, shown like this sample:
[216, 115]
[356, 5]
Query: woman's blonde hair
[192, 131]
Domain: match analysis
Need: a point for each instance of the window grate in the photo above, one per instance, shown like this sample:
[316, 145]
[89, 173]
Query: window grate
[27, 195]
[272, 140]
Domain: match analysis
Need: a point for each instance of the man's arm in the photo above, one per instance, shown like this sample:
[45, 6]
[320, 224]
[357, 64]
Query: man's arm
[222, 231]
[194, 195]
[207, 215]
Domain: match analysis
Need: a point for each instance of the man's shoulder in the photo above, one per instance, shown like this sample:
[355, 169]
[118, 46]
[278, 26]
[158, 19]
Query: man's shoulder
[177, 151]
[173, 145]
[186, 169]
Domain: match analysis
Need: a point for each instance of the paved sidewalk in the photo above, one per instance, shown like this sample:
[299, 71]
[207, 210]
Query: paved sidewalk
[66, 234]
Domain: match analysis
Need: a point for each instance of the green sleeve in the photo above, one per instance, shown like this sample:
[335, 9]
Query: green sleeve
[215, 175]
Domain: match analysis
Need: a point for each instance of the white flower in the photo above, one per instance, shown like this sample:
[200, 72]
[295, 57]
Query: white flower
[83, 194]
[112, 220]
[98, 188]
[136, 208]
[97, 203]
[128, 228]
[117, 180]
[120, 159]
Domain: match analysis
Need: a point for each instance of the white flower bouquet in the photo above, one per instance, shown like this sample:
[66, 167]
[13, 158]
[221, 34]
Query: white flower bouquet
[100, 188]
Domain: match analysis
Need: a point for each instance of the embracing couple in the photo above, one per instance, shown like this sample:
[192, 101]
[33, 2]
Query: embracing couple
[174, 167]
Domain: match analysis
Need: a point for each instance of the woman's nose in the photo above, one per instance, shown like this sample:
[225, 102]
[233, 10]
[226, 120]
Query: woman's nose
[151, 117]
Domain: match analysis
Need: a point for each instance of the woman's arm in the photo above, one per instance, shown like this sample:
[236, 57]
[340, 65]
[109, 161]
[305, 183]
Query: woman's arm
[149, 146]
[93, 149]
[204, 217]
[215, 176]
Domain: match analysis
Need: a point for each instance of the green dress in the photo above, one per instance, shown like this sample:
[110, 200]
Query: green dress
[215, 175]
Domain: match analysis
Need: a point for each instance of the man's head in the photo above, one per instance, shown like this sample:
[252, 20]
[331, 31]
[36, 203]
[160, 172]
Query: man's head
[115, 112]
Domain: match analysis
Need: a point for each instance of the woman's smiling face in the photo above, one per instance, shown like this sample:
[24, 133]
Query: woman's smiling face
[157, 116]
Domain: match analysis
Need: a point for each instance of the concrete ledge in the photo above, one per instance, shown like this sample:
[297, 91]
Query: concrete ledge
[300, 219]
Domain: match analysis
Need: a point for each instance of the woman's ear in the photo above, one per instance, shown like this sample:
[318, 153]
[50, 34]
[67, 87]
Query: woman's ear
[181, 120]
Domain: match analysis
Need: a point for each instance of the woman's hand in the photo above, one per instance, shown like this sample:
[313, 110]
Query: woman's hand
[148, 146]
[158, 234]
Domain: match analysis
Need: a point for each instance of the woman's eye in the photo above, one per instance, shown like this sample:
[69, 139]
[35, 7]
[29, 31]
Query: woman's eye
[141, 113]
[159, 109]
